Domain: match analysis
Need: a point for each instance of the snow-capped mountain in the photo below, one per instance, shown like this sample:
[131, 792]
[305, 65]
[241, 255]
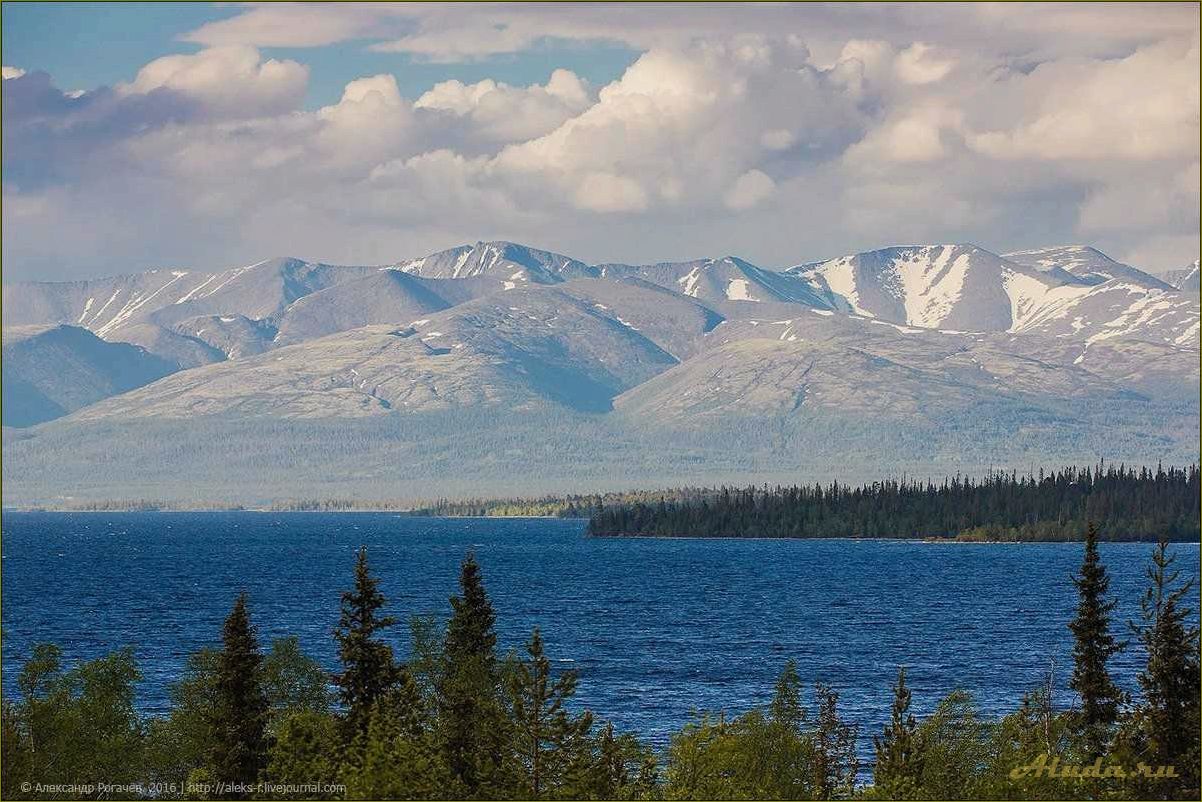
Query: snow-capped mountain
[1072, 291]
[1185, 278]
[949, 287]
[504, 261]
[722, 280]
[897, 349]
[1085, 263]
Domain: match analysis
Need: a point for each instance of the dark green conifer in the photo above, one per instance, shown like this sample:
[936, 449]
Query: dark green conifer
[368, 670]
[898, 771]
[1169, 716]
[472, 720]
[546, 737]
[239, 750]
[1093, 646]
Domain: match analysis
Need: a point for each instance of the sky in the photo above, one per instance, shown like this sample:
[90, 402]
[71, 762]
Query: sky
[205, 136]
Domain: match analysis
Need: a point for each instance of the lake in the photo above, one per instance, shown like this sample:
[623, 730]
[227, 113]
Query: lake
[655, 627]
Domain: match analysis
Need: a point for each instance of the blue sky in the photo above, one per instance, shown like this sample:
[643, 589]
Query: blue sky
[211, 135]
[87, 45]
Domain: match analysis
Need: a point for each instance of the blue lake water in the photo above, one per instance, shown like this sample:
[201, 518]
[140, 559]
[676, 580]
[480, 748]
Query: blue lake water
[655, 627]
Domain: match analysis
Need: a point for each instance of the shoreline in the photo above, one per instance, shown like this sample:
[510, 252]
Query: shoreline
[927, 540]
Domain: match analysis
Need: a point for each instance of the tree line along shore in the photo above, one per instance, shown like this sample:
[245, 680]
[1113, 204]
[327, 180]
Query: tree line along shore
[461, 720]
[1128, 504]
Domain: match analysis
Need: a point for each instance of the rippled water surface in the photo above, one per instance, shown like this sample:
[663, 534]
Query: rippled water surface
[655, 627]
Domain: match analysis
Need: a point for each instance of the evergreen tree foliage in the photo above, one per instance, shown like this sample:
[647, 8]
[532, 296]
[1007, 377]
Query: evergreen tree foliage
[368, 669]
[474, 727]
[239, 749]
[1167, 721]
[611, 766]
[547, 738]
[1130, 505]
[1093, 646]
[898, 766]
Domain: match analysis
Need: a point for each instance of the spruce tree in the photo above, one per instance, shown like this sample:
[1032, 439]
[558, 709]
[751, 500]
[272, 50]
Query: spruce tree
[368, 670]
[898, 771]
[545, 735]
[1169, 717]
[239, 750]
[471, 718]
[1093, 646]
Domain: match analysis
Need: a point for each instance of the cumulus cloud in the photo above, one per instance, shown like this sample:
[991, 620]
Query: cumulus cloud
[502, 113]
[1144, 106]
[12, 72]
[748, 190]
[909, 135]
[877, 125]
[229, 81]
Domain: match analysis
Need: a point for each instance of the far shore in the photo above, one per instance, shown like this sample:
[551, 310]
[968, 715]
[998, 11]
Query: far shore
[416, 513]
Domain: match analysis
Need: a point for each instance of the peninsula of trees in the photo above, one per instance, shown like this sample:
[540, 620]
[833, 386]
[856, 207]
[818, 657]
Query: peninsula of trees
[1126, 504]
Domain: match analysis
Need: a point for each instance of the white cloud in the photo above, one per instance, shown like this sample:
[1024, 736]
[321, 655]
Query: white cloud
[917, 64]
[12, 72]
[877, 125]
[230, 81]
[1144, 106]
[911, 135]
[748, 190]
[290, 25]
[777, 139]
[502, 113]
[606, 192]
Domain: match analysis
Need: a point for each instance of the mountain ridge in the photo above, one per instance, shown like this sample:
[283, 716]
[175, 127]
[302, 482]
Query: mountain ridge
[898, 348]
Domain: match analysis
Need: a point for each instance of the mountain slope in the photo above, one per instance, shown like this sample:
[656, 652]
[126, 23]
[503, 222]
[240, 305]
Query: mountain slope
[549, 371]
[719, 281]
[534, 347]
[385, 296]
[1086, 263]
[504, 261]
[955, 287]
[50, 371]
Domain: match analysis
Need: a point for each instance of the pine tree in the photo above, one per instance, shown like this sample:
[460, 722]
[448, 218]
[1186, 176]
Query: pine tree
[898, 770]
[239, 750]
[471, 718]
[545, 734]
[1169, 717]
[368, 668]
[1093, 646]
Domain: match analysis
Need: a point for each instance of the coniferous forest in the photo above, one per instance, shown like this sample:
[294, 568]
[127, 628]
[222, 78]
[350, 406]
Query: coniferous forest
[1127, 504]
[461, 720]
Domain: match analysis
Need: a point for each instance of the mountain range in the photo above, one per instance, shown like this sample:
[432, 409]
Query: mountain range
[497, 367]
